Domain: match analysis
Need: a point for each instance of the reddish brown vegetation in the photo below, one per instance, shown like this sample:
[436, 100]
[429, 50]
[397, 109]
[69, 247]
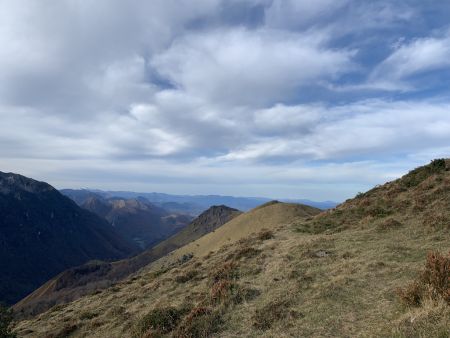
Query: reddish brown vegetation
[433, 282]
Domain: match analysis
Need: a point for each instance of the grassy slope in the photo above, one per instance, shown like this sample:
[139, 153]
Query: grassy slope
[334, 275]
[266, 216]
[108, 273]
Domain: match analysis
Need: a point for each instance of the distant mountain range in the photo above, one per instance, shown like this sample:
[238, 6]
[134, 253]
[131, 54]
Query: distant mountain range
[191, 204]
[137, 219]
[43, 233]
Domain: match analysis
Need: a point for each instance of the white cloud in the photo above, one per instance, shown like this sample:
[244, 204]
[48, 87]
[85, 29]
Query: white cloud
[281, 119]
[366, 129]
[298, 13]
[412, 58]
[253, 93]
[243, 66]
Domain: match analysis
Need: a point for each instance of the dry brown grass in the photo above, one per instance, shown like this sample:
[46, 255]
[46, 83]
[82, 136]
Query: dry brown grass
[389, 223]
[159, 321]
[333, 275]
[236, 293]
[272, 312]
[265, 235]
[201, 322]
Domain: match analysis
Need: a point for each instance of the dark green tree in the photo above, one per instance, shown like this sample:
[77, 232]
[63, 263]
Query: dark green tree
[6, 318]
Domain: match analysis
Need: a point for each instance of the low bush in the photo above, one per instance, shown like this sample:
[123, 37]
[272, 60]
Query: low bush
[359, 195]
[274, 311]
[221, 291]
[245, 252]
[437, 275]
[378, 211]
[6, 317]
[436, 220]
[389, 223]
[411, 295]
[228, 271]
[65, 332]
[159, 320]
[418, 175]
[201, 322]
[187, 276]
[433, 282]
[185, 258]
[265, 235]
[87, 315]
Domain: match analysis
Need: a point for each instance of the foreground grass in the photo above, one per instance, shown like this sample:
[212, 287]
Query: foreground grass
[340, 284]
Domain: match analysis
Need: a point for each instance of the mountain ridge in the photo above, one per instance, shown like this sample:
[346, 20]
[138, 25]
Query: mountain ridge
[194, 203]
[43, 232]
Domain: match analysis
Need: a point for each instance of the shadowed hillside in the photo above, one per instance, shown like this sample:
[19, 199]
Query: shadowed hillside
[81, 280]
[43, 233]
[137, 219]
[362, 269]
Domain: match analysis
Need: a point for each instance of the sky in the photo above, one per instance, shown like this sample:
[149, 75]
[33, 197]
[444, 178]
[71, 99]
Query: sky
[276, 98]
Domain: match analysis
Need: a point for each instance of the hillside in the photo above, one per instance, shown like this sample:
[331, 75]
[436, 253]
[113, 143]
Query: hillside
[89, 278]
[267, 216]
[137, 219]
[357, 270]
[43, 233]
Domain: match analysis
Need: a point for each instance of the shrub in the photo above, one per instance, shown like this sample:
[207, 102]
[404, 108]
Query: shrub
[221, 291]
[436, 220]
[266, 316]
[87, 315]
[437, 275]
[389, 223]
[6, 317]
[433, 282]
[200, 322]
[438, 165]
[411, 295]
[245, 252]
[223, 284]
[185, 258]
[418, 175]
[378, 211]
[117, 310]
[227, 271]
[161, 320]
[66, 331]
[420, 203]
[187, 276]
[265, 235]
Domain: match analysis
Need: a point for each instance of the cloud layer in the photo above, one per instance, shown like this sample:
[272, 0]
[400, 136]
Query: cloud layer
[264, 97]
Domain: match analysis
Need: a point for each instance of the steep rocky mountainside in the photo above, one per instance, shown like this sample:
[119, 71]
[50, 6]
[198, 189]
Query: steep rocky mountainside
[363, 269]
[137, 219]
[43, 233]
[89, 278]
